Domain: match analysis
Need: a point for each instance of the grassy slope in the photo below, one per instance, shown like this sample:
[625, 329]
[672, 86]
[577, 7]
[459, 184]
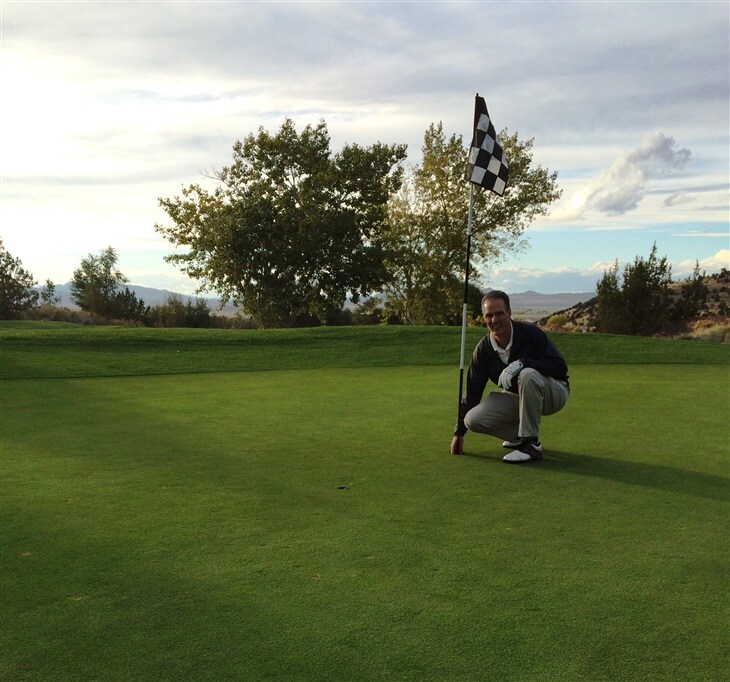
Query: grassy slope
[120, 351]
[307, 524]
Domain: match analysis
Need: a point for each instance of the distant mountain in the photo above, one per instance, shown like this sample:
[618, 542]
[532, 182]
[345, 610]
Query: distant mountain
[151, 296]
[534, 305]
[528, 304]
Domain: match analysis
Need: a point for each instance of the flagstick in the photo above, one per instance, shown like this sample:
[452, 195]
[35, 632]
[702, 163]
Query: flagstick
[466, 296]
[481, 158]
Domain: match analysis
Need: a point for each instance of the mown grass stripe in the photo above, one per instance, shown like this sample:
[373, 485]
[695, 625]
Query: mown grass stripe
[27, 349]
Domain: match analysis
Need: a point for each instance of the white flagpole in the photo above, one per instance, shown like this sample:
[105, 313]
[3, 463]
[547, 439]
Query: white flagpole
[466, 295]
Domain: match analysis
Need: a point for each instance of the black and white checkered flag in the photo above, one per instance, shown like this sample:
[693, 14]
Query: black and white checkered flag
[487, 166]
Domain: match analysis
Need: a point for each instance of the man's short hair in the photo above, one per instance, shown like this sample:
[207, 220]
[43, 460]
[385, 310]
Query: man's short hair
[496, 294]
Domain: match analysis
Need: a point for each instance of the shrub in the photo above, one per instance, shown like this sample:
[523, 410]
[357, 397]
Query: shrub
[557, 321]
[54, 313]
[174, 313]
[712, 330]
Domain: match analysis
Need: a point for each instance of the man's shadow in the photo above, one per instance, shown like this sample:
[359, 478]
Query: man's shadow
[657, 476]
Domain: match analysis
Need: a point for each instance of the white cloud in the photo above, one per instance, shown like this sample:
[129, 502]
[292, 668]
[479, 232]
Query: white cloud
[513, 279]
[583, 280]
[676, 198]
[109, 105]
[702, 234]
[710, 265]
[621, 188]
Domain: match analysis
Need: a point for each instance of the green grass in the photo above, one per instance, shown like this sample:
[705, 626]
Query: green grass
[306, 523]
[44, 350]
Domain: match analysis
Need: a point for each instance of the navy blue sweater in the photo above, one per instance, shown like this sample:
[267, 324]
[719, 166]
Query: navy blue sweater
[529, 344]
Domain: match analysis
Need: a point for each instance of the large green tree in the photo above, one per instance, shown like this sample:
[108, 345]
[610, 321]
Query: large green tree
[426, 239]
[16, 286]
[290, 227]
[98, 286]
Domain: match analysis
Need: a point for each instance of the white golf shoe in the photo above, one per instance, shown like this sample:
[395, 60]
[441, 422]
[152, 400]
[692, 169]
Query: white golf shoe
[526, 452]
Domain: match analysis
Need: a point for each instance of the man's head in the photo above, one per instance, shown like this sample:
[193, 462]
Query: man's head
[497, 313]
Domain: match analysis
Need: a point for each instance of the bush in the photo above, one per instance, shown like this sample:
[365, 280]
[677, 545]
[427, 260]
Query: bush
[54, 313]
[338, 317]
[557, 321]
[238, 321]
[711, 330]
[174, 313]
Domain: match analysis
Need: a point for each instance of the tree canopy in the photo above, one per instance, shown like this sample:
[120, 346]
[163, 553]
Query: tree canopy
[48, 294]
[98, 287]
[290, 227]
[426, 235]
[16, 286]
[640, 301]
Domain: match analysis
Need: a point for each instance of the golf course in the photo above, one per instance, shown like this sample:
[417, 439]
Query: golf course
[188, 504]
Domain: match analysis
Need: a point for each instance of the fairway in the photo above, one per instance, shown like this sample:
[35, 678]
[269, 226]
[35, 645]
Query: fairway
[308, 524]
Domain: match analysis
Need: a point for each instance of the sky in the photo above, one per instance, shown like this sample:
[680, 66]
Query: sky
[108, 106]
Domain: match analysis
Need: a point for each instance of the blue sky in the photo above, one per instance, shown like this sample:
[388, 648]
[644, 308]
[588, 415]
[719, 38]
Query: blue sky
[110, 105]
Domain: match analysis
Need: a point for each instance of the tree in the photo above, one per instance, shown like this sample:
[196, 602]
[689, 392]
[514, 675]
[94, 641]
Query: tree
[48, 294]
[645, 294]
[97, 288]
[640, 303]
[170, 314]
[426, 237]
[290, 228]
[609, 303]
[16, 286]
[126, 306]
[197, 314]
[693, 295]
[96, 281]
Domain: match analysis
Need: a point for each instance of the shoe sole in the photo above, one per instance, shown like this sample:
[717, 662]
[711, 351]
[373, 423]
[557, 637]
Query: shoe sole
[538, 458]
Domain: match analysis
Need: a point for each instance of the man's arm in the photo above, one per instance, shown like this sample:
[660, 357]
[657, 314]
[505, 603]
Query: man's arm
[542, 354]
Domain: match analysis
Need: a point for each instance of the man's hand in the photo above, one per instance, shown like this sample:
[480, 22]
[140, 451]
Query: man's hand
[457, 445]
[508, 374]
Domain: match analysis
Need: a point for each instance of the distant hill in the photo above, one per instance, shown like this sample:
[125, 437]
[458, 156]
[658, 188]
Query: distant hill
[582, 313]
[529, 305]
[151, 297]
[533, 305]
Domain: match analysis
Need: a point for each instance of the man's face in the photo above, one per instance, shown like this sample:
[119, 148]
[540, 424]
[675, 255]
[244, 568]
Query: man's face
[496, 316]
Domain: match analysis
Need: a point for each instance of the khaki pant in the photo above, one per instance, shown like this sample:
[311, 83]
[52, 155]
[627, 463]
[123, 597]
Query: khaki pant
[509, 416]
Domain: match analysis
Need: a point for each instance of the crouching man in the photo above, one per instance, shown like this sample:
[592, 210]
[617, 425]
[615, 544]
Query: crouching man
[520, 358]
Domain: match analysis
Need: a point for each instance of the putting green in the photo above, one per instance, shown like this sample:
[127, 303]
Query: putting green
[309, 524]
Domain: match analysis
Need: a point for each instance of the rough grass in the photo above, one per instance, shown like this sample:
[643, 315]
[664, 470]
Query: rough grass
[711, 332]
[302, 524]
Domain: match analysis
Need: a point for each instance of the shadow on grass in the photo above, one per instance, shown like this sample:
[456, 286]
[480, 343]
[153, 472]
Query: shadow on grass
[657, 476]
[93, 608]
